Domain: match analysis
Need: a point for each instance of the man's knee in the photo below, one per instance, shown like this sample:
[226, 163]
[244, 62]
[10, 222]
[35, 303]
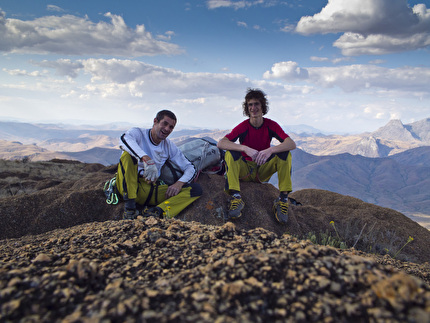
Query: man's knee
[283, 155]
[127, 159]
[236, 155]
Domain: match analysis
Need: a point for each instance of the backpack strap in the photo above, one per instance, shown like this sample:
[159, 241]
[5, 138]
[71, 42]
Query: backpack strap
[150, 194]
[174, 170]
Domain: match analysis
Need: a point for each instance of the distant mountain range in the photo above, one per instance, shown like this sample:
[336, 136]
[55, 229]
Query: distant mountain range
[400, 182]
[393, 138]
[388, 167]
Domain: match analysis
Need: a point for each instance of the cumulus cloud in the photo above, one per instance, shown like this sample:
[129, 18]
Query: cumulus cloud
[63, 67]
[127, 79]
[115, 77]
[357, 77]
[371, 26]
[288, 71]
[146, 78]
[353, 44]
[72, 35]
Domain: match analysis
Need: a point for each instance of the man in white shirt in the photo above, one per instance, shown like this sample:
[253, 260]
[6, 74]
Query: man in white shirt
[145, 152]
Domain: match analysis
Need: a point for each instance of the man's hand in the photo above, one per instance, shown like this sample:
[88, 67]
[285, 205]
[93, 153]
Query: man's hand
[251, 152]
[263, 156]
[174, 189]
[150, 172]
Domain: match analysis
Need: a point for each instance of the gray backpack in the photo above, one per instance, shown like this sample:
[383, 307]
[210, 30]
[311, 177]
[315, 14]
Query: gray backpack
[202, 153]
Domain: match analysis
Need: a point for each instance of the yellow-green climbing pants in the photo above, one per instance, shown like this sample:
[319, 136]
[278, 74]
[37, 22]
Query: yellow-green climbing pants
[239, 169]
[131, 186]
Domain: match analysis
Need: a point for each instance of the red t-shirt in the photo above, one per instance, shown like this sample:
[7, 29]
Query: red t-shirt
[257, 138]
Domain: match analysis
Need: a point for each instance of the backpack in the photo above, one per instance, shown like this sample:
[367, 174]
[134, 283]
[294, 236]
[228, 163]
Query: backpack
[203, 153]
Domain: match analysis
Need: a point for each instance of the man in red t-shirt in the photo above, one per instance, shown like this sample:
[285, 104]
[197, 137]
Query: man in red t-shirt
[253, 159]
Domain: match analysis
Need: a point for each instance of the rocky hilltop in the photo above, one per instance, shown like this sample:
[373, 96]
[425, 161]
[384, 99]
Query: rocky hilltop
[66, 256]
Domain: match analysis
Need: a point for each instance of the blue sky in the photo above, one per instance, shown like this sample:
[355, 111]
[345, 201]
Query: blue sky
[339, 66]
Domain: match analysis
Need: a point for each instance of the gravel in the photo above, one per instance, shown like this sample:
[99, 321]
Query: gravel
[156, 270]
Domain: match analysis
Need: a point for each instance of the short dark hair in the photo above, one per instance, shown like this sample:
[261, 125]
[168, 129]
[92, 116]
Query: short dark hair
[161, 114]
[258, 95]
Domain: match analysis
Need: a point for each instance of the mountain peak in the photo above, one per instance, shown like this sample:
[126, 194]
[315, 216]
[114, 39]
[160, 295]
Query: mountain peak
[394, 130]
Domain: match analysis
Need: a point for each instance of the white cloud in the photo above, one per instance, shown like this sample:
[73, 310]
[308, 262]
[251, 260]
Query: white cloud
[353, 44]
[19, 72]
[167, 35]
[150, 79]
[214, 4]
[371, 26]
[319, 59]
[126, 80]
[71, 35]
[352, 78]
[341, 59]
[286, 70]
[63, 67]
[52, 7]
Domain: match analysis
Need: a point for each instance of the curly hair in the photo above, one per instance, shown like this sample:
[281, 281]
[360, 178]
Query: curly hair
[258, 95]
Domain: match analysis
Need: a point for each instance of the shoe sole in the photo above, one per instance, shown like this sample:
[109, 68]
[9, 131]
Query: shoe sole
[282, 222]
[234, 217]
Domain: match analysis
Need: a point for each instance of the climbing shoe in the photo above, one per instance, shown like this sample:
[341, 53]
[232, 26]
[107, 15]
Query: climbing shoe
[280, 209]
[130, 214]
[235, 208]
[153, 211]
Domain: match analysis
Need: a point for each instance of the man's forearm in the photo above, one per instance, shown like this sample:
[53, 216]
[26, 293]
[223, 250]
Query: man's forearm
[287, 145]
[226, 144]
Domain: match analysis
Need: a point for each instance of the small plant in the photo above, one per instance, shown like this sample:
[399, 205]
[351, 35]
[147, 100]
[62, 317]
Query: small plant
[410, 239]
[325, 239]
[166, 213]
[332, 223]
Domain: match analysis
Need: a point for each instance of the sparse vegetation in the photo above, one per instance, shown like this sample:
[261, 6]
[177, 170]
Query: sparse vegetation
[371, 242]
[326, 239]
[410, 239]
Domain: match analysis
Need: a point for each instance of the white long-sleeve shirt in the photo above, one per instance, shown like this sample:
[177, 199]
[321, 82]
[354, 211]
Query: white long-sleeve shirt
[137, 142]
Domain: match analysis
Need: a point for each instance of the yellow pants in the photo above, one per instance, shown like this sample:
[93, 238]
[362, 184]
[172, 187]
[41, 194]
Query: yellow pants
[239, 169]
[131, 186]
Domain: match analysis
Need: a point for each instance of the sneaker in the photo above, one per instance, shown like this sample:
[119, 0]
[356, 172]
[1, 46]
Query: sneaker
[153, 211]
[130, 214]
[280, 208]
[235, 209]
